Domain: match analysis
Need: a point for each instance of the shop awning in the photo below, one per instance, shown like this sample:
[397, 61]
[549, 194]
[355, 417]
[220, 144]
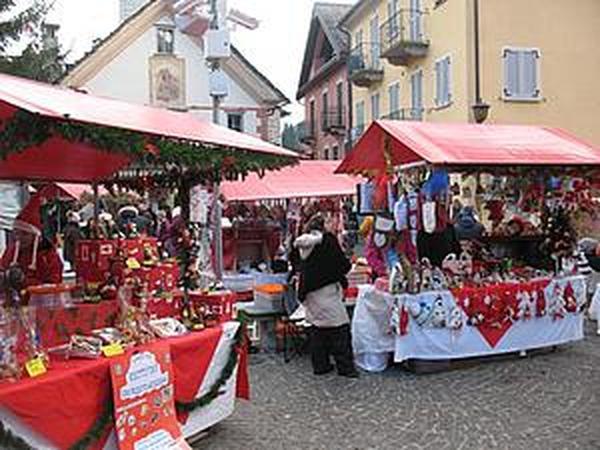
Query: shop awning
[448, 144]
[304, 180]
[60, 160]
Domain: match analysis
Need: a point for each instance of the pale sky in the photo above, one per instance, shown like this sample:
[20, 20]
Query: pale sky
[276, 48]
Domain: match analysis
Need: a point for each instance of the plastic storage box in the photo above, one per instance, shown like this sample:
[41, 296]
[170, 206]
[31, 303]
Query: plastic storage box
[269, 297]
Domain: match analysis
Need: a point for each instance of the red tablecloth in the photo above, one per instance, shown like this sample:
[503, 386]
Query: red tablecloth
[63, 404]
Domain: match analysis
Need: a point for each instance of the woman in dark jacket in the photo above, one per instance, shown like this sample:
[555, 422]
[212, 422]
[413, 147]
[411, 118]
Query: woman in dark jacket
[323, 268]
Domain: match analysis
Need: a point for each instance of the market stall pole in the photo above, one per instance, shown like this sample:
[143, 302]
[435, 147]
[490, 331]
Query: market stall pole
[446, 296]
[52, 134]
[216, 98]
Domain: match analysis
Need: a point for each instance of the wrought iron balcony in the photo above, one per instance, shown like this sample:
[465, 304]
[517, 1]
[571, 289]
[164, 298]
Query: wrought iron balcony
[405, 114]
[333, 121]
[403, 37]
[307, 132]
[364, 64]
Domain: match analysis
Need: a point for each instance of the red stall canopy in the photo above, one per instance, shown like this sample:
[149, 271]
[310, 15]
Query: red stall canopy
[306, 179]
[60, 160]
[453, 144]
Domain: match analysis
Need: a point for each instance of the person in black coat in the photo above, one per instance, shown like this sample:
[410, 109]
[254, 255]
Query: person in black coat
[323, 268]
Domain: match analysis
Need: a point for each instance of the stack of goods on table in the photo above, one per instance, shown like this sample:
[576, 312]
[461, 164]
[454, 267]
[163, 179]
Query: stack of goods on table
[482, 250]
[125, 296]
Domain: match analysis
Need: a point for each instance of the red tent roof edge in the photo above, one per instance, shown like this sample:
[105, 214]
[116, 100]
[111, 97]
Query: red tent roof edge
[456, 144]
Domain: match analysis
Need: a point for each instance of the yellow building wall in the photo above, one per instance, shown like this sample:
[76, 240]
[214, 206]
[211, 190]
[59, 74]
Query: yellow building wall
[391, 74]
[446, 28]
[566, 33]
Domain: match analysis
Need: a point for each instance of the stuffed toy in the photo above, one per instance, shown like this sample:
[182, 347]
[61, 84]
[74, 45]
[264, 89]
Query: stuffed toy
[456, 319]
[414, 282]
[525, 306]
[556, 304]
[438, 279]
[465, 264]
[539, 299]
[451, 265]
[397, 282]
[570, 299]
[421, 312]
[426, 275]
[439, 315]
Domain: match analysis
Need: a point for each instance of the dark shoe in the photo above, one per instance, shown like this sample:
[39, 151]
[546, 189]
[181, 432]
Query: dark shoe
[323, 371]
[351, 374]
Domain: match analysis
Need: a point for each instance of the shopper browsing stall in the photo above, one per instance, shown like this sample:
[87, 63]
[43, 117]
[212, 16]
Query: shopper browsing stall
[323, 270]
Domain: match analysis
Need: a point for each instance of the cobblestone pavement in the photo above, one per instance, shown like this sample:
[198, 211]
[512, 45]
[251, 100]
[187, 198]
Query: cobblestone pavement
[548, 401]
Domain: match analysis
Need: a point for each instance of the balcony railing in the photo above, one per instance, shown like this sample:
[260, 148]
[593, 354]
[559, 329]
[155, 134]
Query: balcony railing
[333, 121]
[307, 132]
[365, 65]
[403, 37]
[405, 114]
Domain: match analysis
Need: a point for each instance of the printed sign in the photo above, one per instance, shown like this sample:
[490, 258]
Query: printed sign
[143, 392]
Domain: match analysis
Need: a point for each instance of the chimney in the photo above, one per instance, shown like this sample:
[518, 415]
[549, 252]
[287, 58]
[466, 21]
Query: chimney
[129, 7]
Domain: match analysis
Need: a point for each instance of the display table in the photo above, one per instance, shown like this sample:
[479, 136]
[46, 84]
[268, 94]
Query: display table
[374, 337]
[59, 408]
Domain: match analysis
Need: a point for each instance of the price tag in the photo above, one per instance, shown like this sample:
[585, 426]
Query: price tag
[35, 367]
[133, 264]
[111, 350]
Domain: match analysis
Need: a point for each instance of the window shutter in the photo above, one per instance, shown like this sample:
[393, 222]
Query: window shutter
[511, 73]
[444, 82]
[448, 98]
[438, 88]
[530, 76]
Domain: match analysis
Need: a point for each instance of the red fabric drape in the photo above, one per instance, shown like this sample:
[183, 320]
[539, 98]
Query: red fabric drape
[63, 404]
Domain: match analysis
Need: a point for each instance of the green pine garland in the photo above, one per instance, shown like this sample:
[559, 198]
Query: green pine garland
[10, 441]
[226, 373]
[172, 159]
[106, 418]
[98, 429]
[25, 129]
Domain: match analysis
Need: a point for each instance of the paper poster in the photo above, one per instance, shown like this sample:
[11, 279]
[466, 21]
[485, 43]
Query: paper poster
[145, 417]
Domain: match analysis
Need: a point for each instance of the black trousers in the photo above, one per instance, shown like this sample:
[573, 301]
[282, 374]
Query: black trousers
[328, 342]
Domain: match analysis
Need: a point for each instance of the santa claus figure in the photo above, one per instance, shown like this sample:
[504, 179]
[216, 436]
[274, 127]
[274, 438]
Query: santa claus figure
[32, 252]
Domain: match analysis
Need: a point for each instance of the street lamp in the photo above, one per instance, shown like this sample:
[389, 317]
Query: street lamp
[480, 109]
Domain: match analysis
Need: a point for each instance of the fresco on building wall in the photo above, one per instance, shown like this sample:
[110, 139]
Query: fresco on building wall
[167, 81]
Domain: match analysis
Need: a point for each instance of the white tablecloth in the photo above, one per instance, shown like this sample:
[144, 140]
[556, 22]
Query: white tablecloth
[374, 340]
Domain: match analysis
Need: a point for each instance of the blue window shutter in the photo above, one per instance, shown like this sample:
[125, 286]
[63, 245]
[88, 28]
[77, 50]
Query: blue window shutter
[447, 81]
[530, 74]
[438, 84]
[511, 73]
